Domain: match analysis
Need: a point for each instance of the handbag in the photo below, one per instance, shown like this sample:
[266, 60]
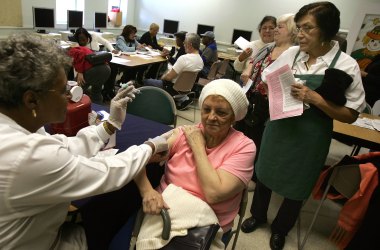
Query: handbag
[99, 57]
[197, 238]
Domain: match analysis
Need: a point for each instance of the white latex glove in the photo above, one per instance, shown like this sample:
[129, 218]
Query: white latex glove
[160, 144]
[118, 106]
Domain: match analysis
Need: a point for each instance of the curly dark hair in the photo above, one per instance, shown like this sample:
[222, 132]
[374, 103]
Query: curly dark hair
[327, 16]
[28, 62]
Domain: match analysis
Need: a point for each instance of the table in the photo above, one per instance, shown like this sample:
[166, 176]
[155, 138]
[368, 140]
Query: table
[135, 60]
[362, 137]
[227, 56]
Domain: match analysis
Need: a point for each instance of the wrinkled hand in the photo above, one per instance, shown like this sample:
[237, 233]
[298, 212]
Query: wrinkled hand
[194, 136]
[118, 106]
[153, 202]
[303, 93]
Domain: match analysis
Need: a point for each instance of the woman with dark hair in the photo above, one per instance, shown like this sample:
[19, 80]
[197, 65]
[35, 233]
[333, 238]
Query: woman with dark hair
[266, 30]
[294, 150]
[92, 41]
[127, 40]
[88, 74]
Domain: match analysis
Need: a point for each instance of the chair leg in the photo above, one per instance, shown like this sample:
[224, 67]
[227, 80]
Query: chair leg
[301, 246]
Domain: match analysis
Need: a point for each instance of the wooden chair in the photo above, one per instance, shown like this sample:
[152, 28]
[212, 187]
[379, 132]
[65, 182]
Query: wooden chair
[154, 104]
[222, 69]
[211, 74]
[183, 86]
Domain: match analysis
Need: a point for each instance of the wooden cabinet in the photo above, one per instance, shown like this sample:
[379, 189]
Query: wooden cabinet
[116, 18]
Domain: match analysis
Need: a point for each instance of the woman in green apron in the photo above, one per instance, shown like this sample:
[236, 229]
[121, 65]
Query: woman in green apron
[293, 150]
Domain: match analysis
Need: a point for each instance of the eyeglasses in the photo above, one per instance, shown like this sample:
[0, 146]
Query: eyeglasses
[305, 29]
[67, 92]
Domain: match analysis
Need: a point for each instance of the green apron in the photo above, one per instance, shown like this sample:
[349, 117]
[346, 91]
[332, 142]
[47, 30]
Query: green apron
[294, 150]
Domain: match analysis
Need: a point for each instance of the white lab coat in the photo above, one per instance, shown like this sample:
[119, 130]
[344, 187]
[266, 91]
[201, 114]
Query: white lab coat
[40, 174]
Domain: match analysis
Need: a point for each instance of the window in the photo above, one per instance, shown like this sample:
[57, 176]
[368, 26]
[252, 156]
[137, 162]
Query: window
[62, 6]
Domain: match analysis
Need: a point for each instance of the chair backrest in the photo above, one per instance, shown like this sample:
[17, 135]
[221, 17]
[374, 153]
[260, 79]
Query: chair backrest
[376, 108]
[154, 104]
[185, 81]
[346, 179]
[222, 69]
[367, 109]
[214, 70]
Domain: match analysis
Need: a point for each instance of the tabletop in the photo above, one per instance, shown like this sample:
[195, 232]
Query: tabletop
[136, 60]
[363, 137]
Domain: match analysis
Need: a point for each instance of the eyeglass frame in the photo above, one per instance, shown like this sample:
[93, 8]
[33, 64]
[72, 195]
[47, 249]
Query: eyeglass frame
[305, 29]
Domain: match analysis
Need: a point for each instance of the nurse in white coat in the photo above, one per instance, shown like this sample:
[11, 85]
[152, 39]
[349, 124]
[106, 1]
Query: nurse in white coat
[40, 173]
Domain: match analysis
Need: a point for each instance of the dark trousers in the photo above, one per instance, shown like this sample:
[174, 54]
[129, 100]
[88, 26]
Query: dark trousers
[96, 77]
[286, 216]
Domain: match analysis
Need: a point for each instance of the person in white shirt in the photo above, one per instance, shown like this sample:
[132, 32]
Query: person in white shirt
[266, 31]
[41, 174]
[191, 61]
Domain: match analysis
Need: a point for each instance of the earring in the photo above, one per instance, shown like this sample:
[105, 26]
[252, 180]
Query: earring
[34, 113]
[323, 44]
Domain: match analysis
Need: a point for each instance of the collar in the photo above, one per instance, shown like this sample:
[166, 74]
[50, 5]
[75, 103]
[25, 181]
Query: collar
[326, 58]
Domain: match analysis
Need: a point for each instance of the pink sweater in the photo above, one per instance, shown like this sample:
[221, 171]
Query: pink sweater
[234, 155]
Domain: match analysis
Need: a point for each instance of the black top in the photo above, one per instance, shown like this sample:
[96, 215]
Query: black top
[149, 41]
[371, 82]
[181, 51]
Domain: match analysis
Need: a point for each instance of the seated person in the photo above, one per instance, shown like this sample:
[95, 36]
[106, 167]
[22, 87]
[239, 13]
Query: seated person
[180, 41]
[88, 74]
[149, 39]
[211, 160]
[209, 54]
[188, 62]
[126, 42]
[92, 40]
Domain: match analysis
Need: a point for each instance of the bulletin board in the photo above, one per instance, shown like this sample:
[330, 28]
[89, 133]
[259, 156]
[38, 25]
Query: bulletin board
[11, 13]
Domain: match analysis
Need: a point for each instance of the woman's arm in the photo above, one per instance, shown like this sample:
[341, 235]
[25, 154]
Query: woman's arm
[340, 113]
[217, 185]
[106, 43]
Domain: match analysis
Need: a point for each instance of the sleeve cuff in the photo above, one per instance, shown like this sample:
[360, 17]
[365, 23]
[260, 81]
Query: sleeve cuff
[104, 136]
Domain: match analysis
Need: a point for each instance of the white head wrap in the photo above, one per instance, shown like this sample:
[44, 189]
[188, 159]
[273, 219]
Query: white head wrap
[231, 91]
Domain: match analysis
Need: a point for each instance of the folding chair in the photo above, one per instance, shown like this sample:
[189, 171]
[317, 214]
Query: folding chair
[154, 104]
[183, 86]
[346, 180]
[214, 70]
[243, 206]
[376, 108]
[222, 69]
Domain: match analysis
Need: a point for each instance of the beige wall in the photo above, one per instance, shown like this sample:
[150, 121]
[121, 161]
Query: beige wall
[10, 13]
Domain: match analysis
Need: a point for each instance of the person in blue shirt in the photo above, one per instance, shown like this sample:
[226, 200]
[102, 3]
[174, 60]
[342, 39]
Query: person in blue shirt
[209, 54]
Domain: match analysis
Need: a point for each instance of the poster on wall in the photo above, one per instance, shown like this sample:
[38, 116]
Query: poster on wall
[363, 31]
[367, 43]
